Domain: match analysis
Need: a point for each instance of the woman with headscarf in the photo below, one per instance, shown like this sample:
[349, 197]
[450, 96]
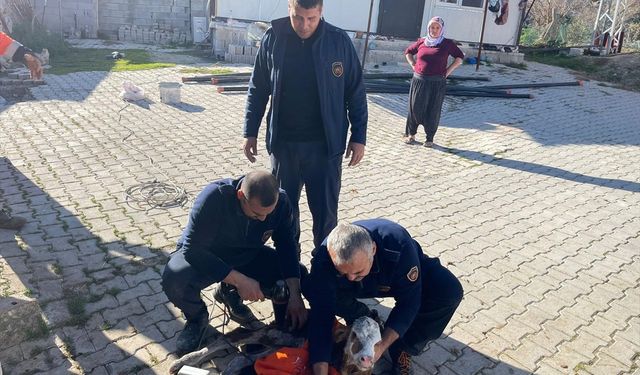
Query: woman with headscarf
[428, 57]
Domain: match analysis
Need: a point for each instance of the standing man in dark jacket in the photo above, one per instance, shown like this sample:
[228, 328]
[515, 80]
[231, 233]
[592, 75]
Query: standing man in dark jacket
[224, 243]
[310, 70]
[378, 258]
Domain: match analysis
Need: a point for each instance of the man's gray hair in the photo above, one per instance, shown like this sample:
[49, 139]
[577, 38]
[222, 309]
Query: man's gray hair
[347, 239]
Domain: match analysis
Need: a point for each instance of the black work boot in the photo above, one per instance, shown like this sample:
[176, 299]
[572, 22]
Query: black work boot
[238, 312]
[190, 337]
[12, 223]
[400, 361]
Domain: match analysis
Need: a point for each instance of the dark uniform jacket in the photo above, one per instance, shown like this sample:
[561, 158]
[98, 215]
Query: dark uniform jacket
[219, 236]
[340, 86]
[395, 273]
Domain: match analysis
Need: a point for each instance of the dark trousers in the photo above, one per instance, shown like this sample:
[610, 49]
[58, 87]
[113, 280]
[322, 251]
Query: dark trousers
[426, 96]
[441, 295]
[182, 283]
[306, 163]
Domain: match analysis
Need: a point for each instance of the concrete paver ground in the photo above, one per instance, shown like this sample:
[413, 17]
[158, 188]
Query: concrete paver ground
[533, 204]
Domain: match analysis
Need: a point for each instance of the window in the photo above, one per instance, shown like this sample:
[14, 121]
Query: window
[472, 3]
[465, 3]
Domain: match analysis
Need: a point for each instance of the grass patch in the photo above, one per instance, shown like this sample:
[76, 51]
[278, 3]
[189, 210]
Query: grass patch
[521, 66]
[569, 62]
[97, 59]
[56, 268]
[113, 291]
[206, 70]
[67, 348]
[76, 303]
[36, 350]
[39, 330]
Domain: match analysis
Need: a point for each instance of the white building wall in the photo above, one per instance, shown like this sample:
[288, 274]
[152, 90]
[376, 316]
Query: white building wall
[465, 24]
[462, 24]
[349, 15]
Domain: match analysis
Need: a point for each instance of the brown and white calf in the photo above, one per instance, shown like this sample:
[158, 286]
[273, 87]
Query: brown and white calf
[361, 339]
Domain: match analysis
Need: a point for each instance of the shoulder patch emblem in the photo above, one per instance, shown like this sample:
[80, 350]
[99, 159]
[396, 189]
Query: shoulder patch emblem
[266, 235]
[337, 69]
[413, 274]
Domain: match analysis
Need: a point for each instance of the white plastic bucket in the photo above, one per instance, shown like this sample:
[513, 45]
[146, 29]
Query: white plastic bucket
[170, 92]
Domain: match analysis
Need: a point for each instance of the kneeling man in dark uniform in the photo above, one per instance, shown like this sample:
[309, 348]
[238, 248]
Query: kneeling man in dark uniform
[378, 258]
[224, 243]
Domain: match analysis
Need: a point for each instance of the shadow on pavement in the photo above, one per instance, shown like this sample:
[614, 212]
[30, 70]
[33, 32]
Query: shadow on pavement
[186, 107]
[447, 355]
[543, 170]
[97, 286]
[556, 116]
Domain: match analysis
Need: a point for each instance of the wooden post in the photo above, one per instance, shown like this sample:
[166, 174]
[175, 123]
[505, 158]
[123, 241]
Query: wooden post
[60, 19]
[366, 40]
[484, 21]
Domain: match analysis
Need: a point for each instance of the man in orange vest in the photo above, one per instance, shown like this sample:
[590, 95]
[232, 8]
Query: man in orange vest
[10, 49]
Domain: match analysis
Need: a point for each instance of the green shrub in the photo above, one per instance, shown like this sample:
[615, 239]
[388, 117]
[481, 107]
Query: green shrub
[579, 33]
[38, 38]
[529, 36]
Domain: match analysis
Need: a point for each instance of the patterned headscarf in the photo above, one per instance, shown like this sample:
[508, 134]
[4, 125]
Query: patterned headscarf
[428, 40]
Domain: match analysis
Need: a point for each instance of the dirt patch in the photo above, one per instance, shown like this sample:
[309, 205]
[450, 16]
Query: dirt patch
[619, 70]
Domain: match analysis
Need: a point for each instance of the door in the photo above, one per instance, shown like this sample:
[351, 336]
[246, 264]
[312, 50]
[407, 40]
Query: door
[400, 18]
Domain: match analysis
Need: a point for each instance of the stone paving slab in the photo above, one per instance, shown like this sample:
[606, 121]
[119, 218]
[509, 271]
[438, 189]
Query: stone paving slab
[533, 204]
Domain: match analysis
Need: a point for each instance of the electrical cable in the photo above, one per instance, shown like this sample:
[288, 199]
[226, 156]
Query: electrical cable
[155, 194]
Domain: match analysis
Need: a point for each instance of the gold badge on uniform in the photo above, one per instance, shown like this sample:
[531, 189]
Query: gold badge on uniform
[383, 288]
[266, 235]
[337, 69]
[413, 274]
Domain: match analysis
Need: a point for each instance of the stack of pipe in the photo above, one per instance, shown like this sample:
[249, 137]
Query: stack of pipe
[393, 83]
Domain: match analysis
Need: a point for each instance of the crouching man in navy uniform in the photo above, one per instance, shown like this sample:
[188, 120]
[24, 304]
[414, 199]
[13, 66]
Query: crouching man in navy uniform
[224, 243]
[378, 258]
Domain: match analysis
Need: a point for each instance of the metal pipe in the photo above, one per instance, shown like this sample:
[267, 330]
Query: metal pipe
[216, 81]
[222, 89]
[383, 90]
[409, 75]
[536, 85]
[208, 77]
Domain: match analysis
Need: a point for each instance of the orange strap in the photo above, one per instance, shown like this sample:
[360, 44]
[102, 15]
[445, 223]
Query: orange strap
[5, 43]
[287, 361]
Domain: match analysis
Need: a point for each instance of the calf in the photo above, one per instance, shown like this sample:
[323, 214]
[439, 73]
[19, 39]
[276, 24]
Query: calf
[362, 336]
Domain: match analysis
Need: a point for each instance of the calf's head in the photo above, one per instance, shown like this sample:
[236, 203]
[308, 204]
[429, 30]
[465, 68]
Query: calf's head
[362, 337]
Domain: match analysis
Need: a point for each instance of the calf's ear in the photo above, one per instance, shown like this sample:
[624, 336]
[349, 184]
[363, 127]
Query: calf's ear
[340, 333]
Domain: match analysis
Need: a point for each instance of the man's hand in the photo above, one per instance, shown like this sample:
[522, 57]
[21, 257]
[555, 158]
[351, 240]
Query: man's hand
[34, 66]
[296, 312]
[378, 351]
[248, 288]
[321, 368]
[250, 148]
[388, 337]
[356, 152]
